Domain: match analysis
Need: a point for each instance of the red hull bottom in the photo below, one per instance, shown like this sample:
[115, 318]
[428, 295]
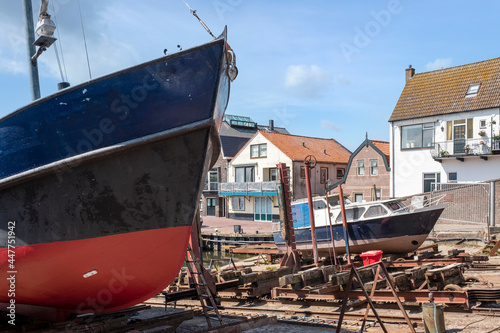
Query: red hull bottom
[103, 274]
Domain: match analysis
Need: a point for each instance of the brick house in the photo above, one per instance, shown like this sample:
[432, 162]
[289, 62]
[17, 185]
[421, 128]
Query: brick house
[251, 187]
[367, 175]
[235, 131]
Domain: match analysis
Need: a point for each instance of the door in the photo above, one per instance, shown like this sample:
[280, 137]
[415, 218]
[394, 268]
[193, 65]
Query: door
[263, 209]
[210, 206]
[459, 139]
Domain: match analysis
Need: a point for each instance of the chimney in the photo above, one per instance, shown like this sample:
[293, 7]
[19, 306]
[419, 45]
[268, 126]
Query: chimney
[409, 73]
[271, 125]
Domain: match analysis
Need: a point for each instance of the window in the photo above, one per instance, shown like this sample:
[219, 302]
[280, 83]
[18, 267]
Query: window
[417, 136]
[351, 214]
[340, 173]
[273, 174]
[482, 123]
[429, 179]
[452, 177]
[258, 150]
[238, 203]
[373, 167]
[212, 181]
[375, 211]
[378, 194]
[358, 197]
[323, 175]
[303, 172]
[473, 90]
[361, 168]
[244, 174]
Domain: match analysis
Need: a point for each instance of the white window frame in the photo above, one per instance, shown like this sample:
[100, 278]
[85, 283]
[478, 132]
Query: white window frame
[261, 150]
[360, 167]
[407, 143]
[373, 167]
[240, 202]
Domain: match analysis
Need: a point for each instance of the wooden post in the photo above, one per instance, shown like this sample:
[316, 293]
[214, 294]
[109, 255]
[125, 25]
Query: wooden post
[344, 222]
[311, 213]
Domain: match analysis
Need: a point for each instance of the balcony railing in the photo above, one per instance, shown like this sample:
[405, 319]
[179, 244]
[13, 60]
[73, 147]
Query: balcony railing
[465, 147]
[248, 189]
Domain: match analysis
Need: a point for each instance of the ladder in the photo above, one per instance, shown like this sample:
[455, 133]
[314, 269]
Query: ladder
[206, 298]
[492, 248]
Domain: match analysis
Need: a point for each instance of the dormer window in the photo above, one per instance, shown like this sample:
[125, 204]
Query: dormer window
[473, 89]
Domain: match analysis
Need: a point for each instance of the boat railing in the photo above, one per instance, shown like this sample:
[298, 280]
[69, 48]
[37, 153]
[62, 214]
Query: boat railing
[419, 201]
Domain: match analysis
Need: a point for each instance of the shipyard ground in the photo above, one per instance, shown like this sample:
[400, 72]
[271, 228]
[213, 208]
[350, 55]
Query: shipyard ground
[297, 316]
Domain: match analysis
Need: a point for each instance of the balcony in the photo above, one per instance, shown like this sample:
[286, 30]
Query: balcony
[248, 189]
[465, 148]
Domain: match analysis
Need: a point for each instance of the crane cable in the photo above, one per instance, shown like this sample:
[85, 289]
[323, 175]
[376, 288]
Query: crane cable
[64, 76]
[84, 39]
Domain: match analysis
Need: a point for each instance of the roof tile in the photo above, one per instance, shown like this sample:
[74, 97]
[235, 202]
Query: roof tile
[298, 147]
[443, 91]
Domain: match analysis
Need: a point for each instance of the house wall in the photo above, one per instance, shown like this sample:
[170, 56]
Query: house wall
[299, 185]
[220, 202]
[262, 166]
[409, 165]
[364, 184]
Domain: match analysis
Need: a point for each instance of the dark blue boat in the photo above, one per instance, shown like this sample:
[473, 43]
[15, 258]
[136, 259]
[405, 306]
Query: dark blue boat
[379, 225]
[99, 183]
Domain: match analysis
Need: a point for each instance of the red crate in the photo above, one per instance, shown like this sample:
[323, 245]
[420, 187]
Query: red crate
[370, 257]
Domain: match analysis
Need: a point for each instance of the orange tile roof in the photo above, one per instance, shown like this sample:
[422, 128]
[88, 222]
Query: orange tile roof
[298, 147]
[384, 147]
[443, 91]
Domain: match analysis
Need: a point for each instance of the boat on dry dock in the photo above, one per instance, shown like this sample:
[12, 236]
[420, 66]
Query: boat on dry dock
[99, 183]
[386, 225]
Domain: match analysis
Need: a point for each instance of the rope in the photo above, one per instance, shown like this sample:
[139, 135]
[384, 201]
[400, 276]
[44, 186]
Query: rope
[84, 39]
[64, 76]
[59, 62]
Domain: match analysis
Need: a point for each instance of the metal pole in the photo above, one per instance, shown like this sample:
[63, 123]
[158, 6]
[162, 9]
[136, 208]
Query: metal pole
[330, 221]
[492, 204]
[344, 222]
[311, 213]
[31, 49]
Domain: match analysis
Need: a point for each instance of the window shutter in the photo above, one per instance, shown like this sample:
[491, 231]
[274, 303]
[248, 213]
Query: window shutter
[449, 130]
[470, 128]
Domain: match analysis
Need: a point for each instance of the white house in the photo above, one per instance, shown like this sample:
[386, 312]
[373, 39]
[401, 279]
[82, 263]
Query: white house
[252, 172]
[445, 128]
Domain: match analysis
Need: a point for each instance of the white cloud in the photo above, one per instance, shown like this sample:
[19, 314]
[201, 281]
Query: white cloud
[306, 81]
[13, 66]
[330, 125]
[438, 64]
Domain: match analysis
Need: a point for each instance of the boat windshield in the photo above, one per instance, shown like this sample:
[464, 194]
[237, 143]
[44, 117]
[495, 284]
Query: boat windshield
[351, 214]
[334, 201]
[319, 204]
[396, 206]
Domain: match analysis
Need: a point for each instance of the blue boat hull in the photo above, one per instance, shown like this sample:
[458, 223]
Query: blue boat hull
[99, 184]
[400, 233]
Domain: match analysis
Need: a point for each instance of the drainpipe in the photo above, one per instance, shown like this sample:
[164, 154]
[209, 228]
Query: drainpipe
[492, 204]
[393, 167]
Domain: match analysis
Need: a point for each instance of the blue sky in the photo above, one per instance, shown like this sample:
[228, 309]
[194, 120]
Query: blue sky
[330, 69]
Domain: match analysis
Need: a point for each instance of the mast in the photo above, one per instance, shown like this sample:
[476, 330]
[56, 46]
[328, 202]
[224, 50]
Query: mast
[30, 39]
